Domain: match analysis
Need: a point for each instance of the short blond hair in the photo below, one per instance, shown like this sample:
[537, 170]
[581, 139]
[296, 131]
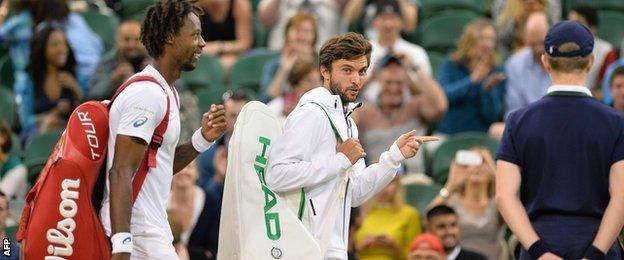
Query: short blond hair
[469, 39]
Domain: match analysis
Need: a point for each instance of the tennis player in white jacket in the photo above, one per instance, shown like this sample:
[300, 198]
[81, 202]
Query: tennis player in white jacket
[312, 155]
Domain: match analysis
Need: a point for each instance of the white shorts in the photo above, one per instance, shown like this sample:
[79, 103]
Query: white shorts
[152, 245]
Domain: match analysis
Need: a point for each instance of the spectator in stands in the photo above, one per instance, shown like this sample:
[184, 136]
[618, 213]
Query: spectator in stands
[607, 96]
[176, 231]
[275, 14]
[52, 89]
[616, 86]
[209, 161]
[227, 28]
[394, 111]
[605, 54]
[4, 215]
[443, 222]
[388, 24]
[119, 64]
[352, 13]
[469, 189]
[13, 173]
[473, 82]
[511, 16]
[389, 227]
[302, 77]
[527, 81]
[426, 247]
[85, 43]
[194, 208]
[16, 32]
[300, 36]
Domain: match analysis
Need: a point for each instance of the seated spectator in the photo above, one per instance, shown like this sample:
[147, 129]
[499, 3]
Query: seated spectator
[469, 189]
[227, 29]
[473, 82]
[527, 80]
[616, 86]
[16, 33]
[389, 227]
[607, 97]
[119, 64]
[604, 53]
[364, 11]
[442, 221]
[388, 24]
[175, 224]
[51, 87]
[303, 77]
[426, 247]
[85, 43]
[4, 215]
[208, 162]
[275, 14]
[511, 16]
[300, 35]
[13, 173]
[395, 112]
[204, 240]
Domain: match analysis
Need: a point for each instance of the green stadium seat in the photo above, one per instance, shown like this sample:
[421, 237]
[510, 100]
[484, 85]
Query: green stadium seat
[134, 9]
[103, 25]
[209, 96]
[260, 34]
[431, 8]
[16, 146]
[247, 70]
[7, 106]
[610, 28]
[446, 152]
[442, 32]
[419, 196]
[613, 5]
[436, 60]
[207, 74]
[7, 76]
[37, 151]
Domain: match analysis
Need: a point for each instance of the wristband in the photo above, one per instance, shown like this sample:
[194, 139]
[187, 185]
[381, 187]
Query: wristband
[199, 142]
[122, 242]
[594, 253]
[538, 248]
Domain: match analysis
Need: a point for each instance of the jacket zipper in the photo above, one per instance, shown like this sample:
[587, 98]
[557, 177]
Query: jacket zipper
[313, 210]
[344, 211]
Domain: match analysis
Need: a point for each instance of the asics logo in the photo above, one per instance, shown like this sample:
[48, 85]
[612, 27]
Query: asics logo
[140, 121]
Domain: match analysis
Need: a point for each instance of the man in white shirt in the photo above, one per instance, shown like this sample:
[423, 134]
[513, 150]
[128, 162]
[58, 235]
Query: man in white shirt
[172, 35]
[388, 24]
[319, 150]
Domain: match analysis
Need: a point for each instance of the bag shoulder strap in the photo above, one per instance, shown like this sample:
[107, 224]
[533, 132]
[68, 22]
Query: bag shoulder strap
[331, 121]
[339, 192]
[149, 160]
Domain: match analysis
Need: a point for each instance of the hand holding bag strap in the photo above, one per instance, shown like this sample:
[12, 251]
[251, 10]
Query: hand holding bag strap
[339, 191]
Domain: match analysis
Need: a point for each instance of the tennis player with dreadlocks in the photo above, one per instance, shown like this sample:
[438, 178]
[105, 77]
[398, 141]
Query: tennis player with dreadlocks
[171, 33]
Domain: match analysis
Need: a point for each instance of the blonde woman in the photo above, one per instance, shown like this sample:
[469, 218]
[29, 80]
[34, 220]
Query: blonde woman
[470, 191]
[389, 227]
[473, 81]
[511, 15]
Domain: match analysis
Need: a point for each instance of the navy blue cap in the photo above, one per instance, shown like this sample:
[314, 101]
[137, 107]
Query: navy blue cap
[387, 60]
[569, 32]
[386, 7]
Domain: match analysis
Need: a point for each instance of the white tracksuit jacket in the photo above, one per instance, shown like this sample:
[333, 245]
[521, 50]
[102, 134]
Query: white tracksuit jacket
[304, 156]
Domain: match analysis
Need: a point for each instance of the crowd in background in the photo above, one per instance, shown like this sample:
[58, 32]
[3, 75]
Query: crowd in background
[55, 54]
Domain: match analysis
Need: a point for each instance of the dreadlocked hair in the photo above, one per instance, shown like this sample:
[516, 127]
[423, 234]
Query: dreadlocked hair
[163, 20]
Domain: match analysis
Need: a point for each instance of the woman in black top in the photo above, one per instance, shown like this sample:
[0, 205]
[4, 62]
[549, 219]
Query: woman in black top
[227, 29]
